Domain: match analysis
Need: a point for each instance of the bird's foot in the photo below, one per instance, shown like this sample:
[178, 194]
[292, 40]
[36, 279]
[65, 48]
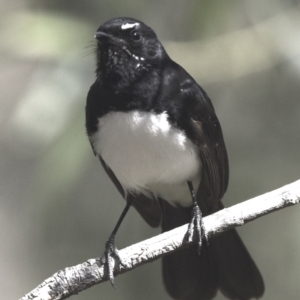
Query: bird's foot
[196, 227]
[111, 258]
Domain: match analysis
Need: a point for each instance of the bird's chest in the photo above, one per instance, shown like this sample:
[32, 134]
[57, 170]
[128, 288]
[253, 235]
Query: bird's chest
[146, 153]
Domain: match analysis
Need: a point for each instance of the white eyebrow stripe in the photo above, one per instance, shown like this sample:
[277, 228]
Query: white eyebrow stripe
[128, 25]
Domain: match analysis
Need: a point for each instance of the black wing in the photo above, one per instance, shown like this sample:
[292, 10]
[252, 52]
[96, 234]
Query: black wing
[206, 132]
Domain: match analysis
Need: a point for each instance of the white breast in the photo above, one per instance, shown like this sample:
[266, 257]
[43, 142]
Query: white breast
[147, 154]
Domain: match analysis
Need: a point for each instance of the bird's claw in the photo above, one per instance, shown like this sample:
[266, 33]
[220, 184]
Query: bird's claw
[196, 227]
[110, 258]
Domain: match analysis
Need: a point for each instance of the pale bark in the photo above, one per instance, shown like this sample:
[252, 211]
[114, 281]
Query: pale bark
[72, 280]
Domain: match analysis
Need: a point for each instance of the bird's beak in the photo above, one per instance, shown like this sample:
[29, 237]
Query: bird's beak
[102, 36]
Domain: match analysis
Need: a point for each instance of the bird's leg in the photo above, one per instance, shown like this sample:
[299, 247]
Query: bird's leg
[111, 253]
[196, 224]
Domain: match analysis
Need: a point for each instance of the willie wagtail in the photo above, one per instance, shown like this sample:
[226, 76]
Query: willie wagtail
[160, 142]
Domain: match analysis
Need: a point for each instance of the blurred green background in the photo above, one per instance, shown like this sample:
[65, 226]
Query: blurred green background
[57, 207]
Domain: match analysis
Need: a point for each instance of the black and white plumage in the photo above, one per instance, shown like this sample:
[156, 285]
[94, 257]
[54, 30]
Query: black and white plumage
[155, 130]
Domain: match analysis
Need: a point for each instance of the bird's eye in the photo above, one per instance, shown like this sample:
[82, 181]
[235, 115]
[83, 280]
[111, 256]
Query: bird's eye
[135, 35]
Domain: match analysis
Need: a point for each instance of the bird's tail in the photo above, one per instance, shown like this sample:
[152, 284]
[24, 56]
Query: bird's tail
[223, 264]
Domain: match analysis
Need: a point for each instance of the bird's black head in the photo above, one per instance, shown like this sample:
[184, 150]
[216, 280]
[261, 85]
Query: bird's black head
[127, 47]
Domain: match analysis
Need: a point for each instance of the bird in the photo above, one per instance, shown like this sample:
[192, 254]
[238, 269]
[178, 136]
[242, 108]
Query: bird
[159, 140]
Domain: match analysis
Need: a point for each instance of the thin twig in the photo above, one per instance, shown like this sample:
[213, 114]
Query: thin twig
[72, 280]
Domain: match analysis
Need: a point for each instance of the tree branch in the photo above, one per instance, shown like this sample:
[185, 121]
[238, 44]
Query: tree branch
[72, 280]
